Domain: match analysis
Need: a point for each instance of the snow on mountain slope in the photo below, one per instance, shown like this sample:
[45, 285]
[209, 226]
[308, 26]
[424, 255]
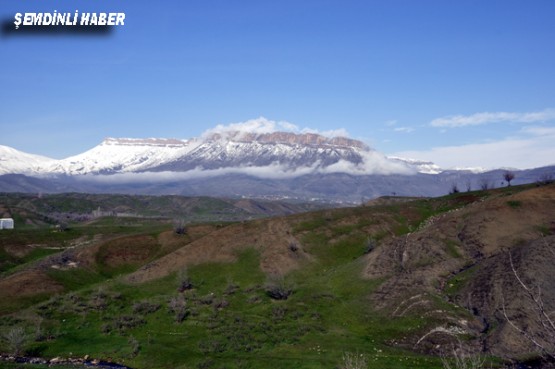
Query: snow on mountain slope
[260, 150]
[267, 154]
[15, 161]
[122, 155]
[425, 167]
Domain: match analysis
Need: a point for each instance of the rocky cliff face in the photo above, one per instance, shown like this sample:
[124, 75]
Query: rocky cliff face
[288, 138]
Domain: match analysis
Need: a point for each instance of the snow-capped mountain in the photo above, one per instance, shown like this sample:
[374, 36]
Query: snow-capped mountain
[122, 155]
[271, 165]
[15, 161]
[256, 154]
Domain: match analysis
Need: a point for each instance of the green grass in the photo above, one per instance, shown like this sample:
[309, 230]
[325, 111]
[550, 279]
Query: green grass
[327, 314]
[514, 204]
[457, 282]
[452, 248]
[74, 279]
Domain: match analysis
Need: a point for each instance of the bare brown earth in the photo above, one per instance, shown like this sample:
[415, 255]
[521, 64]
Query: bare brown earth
[28, 284]
[271, 237]
[420, 266]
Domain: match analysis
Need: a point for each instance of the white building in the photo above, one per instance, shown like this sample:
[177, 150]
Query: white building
[6, 223]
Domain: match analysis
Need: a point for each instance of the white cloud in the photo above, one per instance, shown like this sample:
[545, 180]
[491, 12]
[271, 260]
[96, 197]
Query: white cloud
[532, 147]
[493, 117]
[404, 129]
[273, 171]
[330, 133]
[259, 125]
[262, 125]
[372, 163]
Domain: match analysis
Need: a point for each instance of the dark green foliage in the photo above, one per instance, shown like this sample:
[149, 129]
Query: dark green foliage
[514, 204]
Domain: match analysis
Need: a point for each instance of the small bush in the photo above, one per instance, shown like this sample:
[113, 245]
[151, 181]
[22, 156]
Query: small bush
[125, 322]
[370, 245]
[278, 289]
[106, 328]
[15, 339]
[220, 304]
[278, 313]
[183, 281]
[135, 345]
[179, 227]
[207, 299]
[231, 289]
[354, 361]
[145, 307]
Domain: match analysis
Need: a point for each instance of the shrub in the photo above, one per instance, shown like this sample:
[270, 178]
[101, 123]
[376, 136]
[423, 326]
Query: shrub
[277, 289]
[183, 281]
[124, 322]
[370, 245]
[454, 189]
[462, 359]
[179, 227]
[354, 361]
[135, 345]
[145, 307]
[15, 339]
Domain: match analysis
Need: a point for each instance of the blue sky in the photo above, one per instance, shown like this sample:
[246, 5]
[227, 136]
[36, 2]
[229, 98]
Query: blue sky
[461, 83]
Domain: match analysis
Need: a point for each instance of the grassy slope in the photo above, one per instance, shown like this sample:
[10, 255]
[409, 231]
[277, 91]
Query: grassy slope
[229, 320]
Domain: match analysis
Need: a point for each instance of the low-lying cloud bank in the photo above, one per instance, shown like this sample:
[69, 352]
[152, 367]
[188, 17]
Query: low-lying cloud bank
[372, 164]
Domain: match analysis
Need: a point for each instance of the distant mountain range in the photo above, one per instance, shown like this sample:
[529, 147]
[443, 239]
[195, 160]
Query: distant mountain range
[241, 164]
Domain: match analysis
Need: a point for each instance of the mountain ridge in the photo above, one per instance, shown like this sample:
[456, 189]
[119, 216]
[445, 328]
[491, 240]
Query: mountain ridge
[212, 151]
[268, 165]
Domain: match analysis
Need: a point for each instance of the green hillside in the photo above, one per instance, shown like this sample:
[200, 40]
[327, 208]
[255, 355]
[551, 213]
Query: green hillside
[314, 290]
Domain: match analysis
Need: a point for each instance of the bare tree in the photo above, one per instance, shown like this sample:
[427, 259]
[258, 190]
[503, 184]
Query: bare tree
[542, 332]
[508, 176]
[454, 189]
[485, 184]
[468, 184]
